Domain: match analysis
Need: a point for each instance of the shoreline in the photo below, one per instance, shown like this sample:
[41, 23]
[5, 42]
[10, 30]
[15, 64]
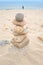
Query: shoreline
[22, 9]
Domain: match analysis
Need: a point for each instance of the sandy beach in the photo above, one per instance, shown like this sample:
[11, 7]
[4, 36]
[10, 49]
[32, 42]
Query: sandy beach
[32, 54]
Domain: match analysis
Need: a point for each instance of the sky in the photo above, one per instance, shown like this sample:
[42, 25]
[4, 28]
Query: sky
[39, 1]
[21, 0]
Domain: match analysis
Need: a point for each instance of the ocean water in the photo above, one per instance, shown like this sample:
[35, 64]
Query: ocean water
[18, 4]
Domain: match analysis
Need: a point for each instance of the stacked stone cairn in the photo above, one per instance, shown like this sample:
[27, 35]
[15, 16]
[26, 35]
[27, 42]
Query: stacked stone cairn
[20, 38]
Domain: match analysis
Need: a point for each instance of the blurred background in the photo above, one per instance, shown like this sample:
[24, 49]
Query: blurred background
[19, 4]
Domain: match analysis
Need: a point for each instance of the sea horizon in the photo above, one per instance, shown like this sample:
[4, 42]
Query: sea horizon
[18, 4]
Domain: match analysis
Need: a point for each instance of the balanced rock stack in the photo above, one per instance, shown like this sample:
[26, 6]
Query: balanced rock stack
[20, 30]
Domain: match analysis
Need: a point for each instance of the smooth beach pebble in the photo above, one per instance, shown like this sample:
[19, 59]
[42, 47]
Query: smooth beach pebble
[19, 17]
[19, 38]
[22, 23]
[21, 44]
[41, 25]
[40, 38]
[4, 42]
[6, 28]
[18, 29]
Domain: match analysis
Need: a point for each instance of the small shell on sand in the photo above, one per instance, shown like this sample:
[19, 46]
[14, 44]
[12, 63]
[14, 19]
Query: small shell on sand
[40, 38]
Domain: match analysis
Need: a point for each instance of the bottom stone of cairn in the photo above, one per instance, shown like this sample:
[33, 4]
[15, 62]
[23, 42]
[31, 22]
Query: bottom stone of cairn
[20, 44]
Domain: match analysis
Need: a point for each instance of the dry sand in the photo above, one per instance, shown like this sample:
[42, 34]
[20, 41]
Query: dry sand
[32, 54]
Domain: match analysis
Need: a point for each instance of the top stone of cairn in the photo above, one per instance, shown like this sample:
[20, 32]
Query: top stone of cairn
[19, 17]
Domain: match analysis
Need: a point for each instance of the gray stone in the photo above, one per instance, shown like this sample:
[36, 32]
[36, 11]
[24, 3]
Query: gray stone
[4, 42]
[19, 17]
